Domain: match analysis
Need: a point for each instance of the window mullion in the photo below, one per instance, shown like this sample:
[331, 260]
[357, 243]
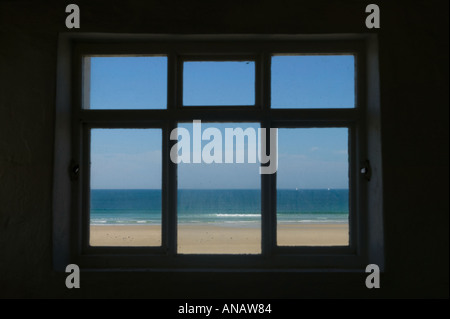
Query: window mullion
[169, 220]
[268, 181]
[170, 171]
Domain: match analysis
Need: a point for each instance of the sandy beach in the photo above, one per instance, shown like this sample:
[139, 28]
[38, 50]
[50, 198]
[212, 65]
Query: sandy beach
[204, 239]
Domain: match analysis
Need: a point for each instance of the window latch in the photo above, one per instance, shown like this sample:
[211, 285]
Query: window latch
[74, 171]
[366, 170]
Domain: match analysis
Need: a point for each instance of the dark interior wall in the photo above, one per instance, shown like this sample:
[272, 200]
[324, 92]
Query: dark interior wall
[413, 42]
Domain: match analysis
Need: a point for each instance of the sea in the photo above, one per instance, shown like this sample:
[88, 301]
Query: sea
[232, 207]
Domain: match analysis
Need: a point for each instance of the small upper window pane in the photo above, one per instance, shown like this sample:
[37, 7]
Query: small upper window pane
[125, 83]
[314, 81]
[215, 83]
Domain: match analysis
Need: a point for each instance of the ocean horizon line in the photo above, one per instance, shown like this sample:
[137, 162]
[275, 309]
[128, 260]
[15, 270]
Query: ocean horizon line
[234, 206]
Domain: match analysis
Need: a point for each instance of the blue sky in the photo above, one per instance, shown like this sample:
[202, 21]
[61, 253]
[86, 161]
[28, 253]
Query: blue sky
[308, 157]
[128, 83]
[234, 86]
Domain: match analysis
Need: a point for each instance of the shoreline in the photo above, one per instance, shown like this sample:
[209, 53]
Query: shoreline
[227, 225]
[220, 239]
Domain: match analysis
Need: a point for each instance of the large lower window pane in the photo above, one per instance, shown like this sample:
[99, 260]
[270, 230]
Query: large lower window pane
[313, 187]
[219, 194]
[315, 81]
[125, 207]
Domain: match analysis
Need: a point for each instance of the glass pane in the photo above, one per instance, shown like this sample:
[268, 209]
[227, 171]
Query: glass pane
[125, 208]
[313, 187]
[316, 81]
[219, 83]
[125, 83]
[219, 203]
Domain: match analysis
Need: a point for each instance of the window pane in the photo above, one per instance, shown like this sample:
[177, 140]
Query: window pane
[125, 208]
[125, 83]
[219, 83]
[316, 81]
[219, 204]
[312, 187]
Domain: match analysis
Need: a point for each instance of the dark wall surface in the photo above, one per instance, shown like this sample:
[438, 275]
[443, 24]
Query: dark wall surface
[413, 53]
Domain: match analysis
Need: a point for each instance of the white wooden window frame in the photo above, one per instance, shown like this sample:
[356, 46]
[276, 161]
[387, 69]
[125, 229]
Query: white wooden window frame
[72, 147]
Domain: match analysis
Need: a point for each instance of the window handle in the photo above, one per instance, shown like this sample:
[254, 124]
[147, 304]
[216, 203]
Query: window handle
[74, 171]
[366, 170]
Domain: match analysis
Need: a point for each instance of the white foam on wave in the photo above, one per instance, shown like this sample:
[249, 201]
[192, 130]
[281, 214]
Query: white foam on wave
[95, 221]
[314, 221]
[238, 215]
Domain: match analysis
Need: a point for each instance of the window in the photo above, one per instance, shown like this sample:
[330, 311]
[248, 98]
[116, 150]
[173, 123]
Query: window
[243, 153]
[313, 187]
[125, 187]
[204, 83]
[219, 203]
[116, 82]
